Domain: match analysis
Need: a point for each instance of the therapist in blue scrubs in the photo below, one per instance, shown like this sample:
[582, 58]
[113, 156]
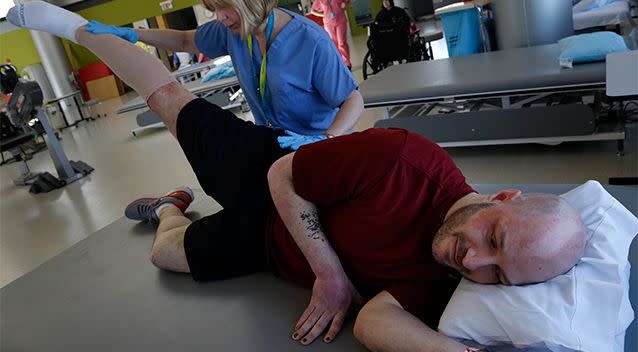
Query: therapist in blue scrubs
[288, 67]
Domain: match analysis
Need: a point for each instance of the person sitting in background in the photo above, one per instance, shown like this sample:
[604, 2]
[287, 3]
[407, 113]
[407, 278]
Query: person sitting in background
[391, 15]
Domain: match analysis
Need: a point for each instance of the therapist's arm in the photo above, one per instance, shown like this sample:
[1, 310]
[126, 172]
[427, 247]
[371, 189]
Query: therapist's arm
[169, 39]
[383, 325]
[348, 115]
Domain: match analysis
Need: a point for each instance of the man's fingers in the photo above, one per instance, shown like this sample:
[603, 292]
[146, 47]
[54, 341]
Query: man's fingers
[304, 316]
[307, 325]
[317, 329]
[335, 327]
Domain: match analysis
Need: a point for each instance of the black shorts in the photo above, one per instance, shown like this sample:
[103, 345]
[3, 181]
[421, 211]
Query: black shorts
[230, 158]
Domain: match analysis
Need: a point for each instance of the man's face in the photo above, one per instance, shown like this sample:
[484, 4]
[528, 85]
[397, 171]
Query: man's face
[490, 243]
[386, 4]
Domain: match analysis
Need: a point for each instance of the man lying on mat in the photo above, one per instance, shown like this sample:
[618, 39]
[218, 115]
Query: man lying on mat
[383, 216]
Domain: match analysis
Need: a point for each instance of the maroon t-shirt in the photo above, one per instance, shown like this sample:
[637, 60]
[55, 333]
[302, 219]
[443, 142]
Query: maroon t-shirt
[381, 195]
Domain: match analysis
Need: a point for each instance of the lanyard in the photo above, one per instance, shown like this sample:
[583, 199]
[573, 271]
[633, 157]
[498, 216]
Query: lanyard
[332, 13]
[261, 86]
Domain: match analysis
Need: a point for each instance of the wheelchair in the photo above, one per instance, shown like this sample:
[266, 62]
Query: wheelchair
[393, 42]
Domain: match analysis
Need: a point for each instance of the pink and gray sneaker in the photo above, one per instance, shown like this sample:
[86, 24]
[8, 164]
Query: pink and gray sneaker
[143, 209]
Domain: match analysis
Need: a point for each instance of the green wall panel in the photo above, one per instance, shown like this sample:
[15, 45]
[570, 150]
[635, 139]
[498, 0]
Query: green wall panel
[119, 12]
[375, 7]
[18, 46]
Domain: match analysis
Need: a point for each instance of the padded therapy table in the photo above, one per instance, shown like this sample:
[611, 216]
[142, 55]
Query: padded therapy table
[103, 294]
[507, 75]
[195, 87]
[612, 14]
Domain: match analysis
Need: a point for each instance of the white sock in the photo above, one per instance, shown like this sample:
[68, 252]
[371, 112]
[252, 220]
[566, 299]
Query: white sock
[165, 205]
[42, 16]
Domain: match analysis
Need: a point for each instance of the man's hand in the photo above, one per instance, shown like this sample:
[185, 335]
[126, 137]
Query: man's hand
[331, 299]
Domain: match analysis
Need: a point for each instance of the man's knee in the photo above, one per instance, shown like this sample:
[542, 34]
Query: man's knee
[167, 101]
[158, 257]
[169, 255]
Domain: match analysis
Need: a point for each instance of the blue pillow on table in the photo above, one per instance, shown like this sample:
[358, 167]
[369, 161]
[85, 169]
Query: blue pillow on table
[590, 46]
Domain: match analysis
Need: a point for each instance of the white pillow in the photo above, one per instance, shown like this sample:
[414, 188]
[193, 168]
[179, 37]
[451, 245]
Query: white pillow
[586, 309]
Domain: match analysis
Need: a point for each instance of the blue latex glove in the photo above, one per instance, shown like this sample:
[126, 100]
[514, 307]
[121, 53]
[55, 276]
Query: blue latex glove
[294, 140]
[126, 33]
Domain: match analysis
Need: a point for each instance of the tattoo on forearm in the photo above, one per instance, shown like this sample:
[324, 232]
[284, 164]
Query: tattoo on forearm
[311, 219]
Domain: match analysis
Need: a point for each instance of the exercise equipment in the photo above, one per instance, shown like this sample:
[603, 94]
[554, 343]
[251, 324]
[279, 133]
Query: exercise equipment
[24, 106]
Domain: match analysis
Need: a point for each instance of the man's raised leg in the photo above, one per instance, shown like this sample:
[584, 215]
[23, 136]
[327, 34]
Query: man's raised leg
[143, 72]
[140, 70]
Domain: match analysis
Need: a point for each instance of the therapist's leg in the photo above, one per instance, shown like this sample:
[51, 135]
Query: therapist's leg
[140, 70]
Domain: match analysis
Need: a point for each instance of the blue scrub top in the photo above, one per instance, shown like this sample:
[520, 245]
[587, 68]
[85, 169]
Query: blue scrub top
[307, 80]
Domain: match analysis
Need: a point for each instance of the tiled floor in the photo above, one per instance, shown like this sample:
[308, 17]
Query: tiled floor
[34, 228]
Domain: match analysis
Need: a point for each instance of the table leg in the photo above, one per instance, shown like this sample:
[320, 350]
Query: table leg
[66, 122]
[82, 118]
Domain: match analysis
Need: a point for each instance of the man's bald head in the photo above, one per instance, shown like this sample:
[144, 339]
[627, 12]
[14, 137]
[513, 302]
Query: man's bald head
[513, 238]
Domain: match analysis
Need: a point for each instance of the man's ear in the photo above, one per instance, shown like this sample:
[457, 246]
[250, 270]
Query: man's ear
[506, 194]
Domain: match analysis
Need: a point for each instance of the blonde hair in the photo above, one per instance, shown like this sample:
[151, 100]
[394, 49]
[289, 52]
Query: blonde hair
[251, 12]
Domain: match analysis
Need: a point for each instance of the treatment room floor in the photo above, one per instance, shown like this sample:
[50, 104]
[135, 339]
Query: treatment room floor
[35, 228]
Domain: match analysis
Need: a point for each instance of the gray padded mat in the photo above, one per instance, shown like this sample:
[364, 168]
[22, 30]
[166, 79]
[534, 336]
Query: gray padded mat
[521, 70]
[103, 294]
